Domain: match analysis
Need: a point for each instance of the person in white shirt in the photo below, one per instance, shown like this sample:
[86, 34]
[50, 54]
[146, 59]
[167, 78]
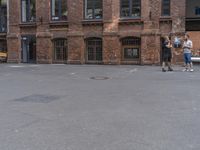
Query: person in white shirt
[187, 46]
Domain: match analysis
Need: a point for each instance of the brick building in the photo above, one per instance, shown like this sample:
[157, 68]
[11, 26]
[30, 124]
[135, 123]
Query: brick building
[93, 31]
[193, 23]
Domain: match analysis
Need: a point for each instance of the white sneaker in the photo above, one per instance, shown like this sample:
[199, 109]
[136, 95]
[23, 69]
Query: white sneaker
[191, 70]
[185, 69]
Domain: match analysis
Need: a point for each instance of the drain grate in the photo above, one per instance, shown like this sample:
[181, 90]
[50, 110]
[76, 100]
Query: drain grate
[37, 99]
[100, 78]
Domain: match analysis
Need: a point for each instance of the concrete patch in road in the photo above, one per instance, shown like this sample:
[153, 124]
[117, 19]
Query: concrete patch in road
[99, 78]
[37, 98]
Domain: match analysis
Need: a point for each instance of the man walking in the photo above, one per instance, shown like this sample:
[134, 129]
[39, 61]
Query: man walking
[187, 46]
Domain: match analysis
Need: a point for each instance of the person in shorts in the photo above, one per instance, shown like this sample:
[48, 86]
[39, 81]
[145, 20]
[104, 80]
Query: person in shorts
[187, 53]
[166, 55]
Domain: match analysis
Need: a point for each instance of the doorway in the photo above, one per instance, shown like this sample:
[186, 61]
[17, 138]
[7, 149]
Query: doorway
[28, 54]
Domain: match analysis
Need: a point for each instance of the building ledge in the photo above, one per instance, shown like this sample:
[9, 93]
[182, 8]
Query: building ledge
[59, 62]
[28, 24]
[3, 33]
[130, 62]
[130, 21]
[59, 24]
[193, 19]
[165, 19]
[92, 22]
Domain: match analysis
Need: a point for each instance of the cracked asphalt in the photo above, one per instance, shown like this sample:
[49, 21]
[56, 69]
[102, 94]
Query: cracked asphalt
[96, 107]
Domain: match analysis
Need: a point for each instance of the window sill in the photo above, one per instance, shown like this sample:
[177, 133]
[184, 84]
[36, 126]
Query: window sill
[28, 24]
[3, 33]
[165, 18]
[93, 22]
[193, 19]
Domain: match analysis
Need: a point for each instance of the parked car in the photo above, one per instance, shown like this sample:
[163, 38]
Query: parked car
[3, 56]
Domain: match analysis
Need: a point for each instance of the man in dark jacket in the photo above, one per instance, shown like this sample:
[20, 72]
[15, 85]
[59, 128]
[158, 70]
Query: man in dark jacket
[166, 54]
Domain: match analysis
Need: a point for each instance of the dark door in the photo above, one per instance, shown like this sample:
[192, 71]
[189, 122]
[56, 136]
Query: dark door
[28, 49]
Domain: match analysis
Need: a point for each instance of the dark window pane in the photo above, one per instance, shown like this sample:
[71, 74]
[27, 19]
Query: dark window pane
[99, 53]
[3, 2]
[55, 9]
[94, 49]
[165, 7]
[197, 11]
[131, 53]
[90, 53]
[64, 10]
[125, 8]
[93, 9]
[32, 48]
[59, 10]
[131, 41]
[130, 8]
[32, 10]
[24, 11]
[98, 9]
[98, 13]
[60, 50]
[89, 9]
[131, 47]
[28, 10]
[3, 17]
[136, 8]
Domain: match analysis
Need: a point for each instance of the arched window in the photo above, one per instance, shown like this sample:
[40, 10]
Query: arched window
[60, 50]
[131, 48]
[130, 8]
[94, 49]
[93, 9]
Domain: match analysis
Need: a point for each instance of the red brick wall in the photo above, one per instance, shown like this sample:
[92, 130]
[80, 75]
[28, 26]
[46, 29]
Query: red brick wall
[76, 50]
[195, 37]
[149, 28]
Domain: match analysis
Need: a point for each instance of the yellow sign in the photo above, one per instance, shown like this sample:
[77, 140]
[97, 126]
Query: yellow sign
[3, 54]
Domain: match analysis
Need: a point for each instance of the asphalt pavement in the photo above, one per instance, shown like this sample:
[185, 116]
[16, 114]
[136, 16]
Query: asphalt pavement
[97, 107]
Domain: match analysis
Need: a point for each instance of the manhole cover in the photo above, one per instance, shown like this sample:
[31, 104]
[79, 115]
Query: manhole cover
[37, 99]
[100, 78]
